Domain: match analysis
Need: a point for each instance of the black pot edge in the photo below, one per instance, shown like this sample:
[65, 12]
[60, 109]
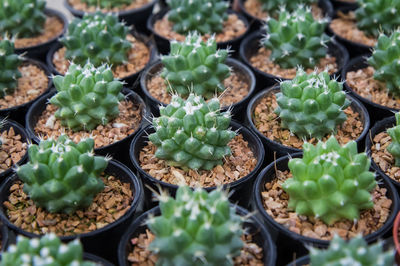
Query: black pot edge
[98, 260]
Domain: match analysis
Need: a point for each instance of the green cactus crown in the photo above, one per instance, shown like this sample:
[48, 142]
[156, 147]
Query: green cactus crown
[204, 16]
[107, 3]
[330, 182]
[192, 133]
[62, 176]
[354, 252]
[87, 97]
[22, 18]
[9, 63]
[196, 228]
[98, 38]
[194, 65]
[394, 146]
[48, 250]
[273, 7]
[296, 39]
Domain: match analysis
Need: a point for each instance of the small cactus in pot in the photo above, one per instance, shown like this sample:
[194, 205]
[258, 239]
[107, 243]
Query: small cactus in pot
[273, 7]
[9, 63]
[394, 146]
[107, 3]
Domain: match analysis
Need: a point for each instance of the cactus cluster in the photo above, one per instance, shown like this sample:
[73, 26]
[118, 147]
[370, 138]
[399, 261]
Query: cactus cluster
[22, 18]
[204, 16]
[9, 63]
[86, 97]
[192, 133]
[354, 252]
[296, 39]
[62, 176]
[394, 146]
[330, 182]
[196, 228]
[107, 3]
[311, 105]
[46, 251]
[195, 66]
[273, 7]
[98, 38]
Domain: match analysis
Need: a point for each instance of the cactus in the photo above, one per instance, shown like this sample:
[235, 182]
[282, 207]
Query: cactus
[192, 133]
[394, 146]
[330, 182]
[204, 16]
[296, 39]
[107, 3]
[197, 66]
[46, 251]
[273, 7]
[354, 252]
[98, 38]
[311, 105]
[9, 63]
[375, 16]
[62, 176]
[22, 18]
[87, 97]
[196, 228]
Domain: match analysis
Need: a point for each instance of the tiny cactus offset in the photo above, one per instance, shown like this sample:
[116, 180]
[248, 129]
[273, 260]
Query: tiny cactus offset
[273, 7]
[9, 63]
[107, 3]
[394, 146]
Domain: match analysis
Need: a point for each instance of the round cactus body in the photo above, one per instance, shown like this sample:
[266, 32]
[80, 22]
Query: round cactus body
[330, 182]
[196, 228]
[273, 7]
[107, 3]
[394, 146]
[62, 176]
[9, 63]
[195, 66]
[192, 133]
[311, 105]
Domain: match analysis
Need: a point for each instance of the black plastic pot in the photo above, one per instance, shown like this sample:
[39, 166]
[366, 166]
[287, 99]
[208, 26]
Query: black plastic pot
[240, 189]
[337, 4]
[251, 44]
[104, 241]
[290, 243]
[163, 43]
[259, 231]
[98, 260]
[238, 109]
[376, 111]
[274, 149]
[4, 237]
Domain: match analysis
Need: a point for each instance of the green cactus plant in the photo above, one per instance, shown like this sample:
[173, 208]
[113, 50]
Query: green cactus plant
[354, 252]
[196, 228]
[311, 105]
[46, 251]
[98, 38]
[394, 146]
[296, 39]
[62, 176]
[22, 18]
[192, 133]
[107, 3]
[195, 66]
[330, 182]
[87, 97]
[204, 16]
[273, 7]
[9, 63]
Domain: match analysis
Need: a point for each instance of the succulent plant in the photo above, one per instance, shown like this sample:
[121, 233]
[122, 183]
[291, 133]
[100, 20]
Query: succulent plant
[296, 39]
[354, 252]
[196, 228]
[375, 16]
[87, 97]
[62, 176]
[330, 182]
[22, 18]
[394, 146]
[46, 251]
[9, 63]
[311, 105]
[98, 38]
[204, 16]
[107, 3]
[195, 66]
[273, 7]
[192, 133]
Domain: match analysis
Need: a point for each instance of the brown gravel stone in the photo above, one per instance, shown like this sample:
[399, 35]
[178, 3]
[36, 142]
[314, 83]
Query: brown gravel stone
[238, 165]
[12, 149]
[269, 124]
[22, 212]
[370, 220]
[79, 5]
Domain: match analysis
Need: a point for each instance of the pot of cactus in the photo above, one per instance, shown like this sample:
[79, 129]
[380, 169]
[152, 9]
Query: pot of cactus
[198, 66]
[292, 40]
[220, 234]
[101, 39]
[207, 17]
[65, 189]
[309, 107]
[89, 101]
[33, 26]
[194, 143]
[328, 189]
